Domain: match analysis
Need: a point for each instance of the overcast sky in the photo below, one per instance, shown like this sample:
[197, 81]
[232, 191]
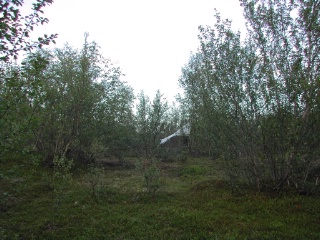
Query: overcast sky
[151, 40]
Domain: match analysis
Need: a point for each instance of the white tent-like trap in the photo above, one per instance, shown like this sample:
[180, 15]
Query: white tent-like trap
[184, 131]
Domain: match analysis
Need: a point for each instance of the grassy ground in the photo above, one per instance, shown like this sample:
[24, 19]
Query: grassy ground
[193, 202]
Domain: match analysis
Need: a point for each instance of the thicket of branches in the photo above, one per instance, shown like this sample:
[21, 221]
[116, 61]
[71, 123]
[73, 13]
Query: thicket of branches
[254, 103]
[68, 103]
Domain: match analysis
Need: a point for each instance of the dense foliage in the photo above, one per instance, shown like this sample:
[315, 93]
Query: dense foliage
[252, 102]
[255, 103]
[67, 103]
[16, 91]
[74, 102]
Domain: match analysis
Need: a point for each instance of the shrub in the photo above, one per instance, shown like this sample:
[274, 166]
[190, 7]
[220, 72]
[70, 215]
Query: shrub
[151, 173]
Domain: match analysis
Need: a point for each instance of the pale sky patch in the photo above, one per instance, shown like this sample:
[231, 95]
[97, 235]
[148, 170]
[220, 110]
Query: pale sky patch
[151, 40]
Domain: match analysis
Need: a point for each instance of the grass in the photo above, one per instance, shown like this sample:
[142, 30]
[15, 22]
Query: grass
[194, 202]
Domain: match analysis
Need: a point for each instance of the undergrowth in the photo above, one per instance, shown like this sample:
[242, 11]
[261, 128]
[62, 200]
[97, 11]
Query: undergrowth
[194, 202]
